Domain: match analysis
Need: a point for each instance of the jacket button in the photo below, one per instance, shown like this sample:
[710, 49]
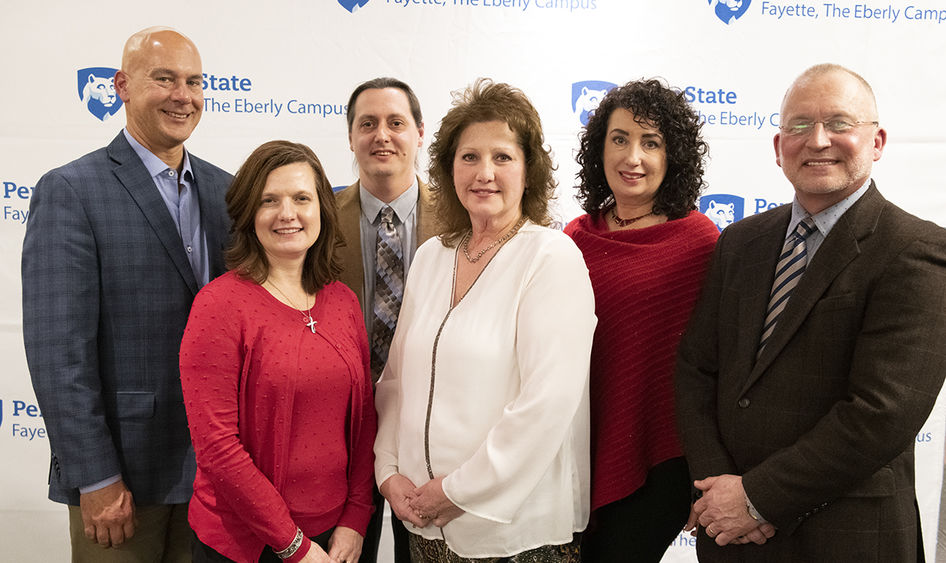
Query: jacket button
[743, 403]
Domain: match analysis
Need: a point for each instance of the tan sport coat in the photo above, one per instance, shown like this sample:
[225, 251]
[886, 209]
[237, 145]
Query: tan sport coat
[822, 426]
[349, 210]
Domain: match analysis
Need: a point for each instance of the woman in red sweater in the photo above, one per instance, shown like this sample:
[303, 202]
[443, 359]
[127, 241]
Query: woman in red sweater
[646, 248]
[274, 367]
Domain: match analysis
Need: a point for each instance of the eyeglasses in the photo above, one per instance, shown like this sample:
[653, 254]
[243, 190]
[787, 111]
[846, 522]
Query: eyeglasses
[837, 126]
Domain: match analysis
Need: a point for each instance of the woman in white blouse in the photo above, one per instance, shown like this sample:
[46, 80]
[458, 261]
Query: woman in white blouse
[482, 444]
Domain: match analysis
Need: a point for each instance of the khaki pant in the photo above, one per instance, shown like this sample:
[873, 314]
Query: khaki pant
[162, 535]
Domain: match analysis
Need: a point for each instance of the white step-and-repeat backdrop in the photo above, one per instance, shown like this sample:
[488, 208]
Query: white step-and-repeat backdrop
[285, 68]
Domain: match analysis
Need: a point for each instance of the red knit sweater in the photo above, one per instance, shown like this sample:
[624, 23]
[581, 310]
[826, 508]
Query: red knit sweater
[282, 420]
[646, 282]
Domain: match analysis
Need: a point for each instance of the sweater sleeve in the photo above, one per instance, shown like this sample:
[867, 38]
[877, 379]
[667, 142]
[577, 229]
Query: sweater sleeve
[360, 503]
[213, 361]
[388, 403]
[555, 324]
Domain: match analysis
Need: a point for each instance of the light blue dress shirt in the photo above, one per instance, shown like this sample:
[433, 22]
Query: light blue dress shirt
[824, 221]
[179, 192]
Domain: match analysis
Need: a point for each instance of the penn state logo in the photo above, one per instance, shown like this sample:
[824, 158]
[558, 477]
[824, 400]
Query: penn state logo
[97, 91]
[586, 95]
[722, 209]
[352, 5]
[729, 11]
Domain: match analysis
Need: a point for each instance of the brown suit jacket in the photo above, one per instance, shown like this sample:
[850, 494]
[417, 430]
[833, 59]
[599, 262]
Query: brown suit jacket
[822, 426]
[349, 210]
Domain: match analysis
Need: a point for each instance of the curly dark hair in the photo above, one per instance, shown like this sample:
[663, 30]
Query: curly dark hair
[653, 103]
[245, 254]
[484, 101]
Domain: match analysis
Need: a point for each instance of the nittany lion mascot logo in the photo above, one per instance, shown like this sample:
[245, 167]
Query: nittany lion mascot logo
[722, 209]
[352, 5]
[729, 11]
[97, 91]
[586, 96]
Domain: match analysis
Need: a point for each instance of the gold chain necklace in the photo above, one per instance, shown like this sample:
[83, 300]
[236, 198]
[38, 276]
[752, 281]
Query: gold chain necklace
[509, 234]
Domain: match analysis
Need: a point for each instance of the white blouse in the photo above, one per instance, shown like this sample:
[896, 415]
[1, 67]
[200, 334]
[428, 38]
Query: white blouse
[508, 421]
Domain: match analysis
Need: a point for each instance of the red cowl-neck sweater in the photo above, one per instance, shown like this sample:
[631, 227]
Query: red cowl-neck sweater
[646, 282]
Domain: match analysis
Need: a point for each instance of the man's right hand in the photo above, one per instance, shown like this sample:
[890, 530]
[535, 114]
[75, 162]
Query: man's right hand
[108, 514]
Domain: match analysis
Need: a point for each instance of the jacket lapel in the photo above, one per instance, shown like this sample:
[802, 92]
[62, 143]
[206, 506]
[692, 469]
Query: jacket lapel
[839, 248]
[349, 211]
[757, 261]
[427, 225]
[214, 224]
[134, 177]
[349, 218]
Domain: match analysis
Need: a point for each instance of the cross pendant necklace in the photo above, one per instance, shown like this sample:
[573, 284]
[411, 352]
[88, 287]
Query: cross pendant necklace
[306, 315]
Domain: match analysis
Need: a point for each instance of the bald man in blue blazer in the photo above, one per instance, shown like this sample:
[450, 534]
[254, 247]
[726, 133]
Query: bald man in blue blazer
[117, 245]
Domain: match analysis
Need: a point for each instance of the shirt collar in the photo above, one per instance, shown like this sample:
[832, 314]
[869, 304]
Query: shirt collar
[153, 164]
[403, 205]
[827, 218]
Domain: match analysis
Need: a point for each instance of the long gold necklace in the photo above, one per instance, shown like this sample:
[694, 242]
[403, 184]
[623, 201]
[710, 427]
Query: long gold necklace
[306, 314]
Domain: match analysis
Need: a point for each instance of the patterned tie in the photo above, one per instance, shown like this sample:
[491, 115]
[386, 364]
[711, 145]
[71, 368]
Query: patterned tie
[388, 290]
[788, 272]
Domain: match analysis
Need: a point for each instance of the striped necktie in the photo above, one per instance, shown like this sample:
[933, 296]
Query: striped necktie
[788, 272]
[388, 291]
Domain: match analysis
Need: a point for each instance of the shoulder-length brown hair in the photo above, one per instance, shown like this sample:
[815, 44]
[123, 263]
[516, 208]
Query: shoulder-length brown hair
[245, 254]
[484, 101]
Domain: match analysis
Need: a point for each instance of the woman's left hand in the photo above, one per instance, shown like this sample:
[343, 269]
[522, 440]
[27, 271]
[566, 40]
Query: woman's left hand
[432, 505]
[345, 545]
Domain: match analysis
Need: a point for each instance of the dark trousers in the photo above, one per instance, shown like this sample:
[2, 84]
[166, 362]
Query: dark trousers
[639, 528]
[161, 534]
[203, 553]
[369, 549]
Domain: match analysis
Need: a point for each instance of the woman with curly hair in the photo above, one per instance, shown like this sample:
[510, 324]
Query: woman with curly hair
[647, 248]
[482, 446]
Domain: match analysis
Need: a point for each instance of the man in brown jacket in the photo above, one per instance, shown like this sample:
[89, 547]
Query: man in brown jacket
[815, 354]
[385, 131]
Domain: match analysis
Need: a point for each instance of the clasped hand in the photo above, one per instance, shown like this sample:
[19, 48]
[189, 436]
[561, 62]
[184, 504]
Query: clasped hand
[421, 506]
[723, 514]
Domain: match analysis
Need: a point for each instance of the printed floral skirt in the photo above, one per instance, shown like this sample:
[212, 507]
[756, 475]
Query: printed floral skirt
[436, 551]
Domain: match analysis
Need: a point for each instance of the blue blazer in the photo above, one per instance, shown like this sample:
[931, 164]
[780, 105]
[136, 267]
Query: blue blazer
[107, 288]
